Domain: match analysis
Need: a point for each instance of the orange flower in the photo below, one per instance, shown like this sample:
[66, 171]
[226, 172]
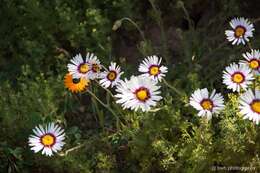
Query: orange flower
[75, 85]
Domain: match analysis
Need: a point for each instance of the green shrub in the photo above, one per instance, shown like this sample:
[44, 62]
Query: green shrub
[37, 40]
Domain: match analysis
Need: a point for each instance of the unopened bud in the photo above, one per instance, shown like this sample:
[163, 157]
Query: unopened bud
[117, 25]
[180, 4]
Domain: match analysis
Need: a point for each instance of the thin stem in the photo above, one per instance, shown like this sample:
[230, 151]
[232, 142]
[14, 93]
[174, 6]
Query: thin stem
[108, 98]
[163, 35]
[187, 15]
[103, 104]
[100, 116]
[112, 95]
[95, 97]
[256, 20]
[70, 150]
[62, 50]
[107, 90]
[249, 45]
[172, 87]
[104, 68]
[255, 82]
[96, 109]
[136, 26]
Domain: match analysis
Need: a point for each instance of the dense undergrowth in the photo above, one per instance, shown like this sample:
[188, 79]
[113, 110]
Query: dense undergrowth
[38, 38]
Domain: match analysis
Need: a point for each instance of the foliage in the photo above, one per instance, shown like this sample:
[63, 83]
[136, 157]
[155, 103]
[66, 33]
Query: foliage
[39, 37]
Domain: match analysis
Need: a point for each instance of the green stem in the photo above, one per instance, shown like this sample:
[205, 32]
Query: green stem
[249, 45]
[111, 94]
[100, 115]
[108, 98]
[254, 82]
[107, 90]
[62, 50]
[172, 87]
[187, 16]
[104, 68]
[97, 110]
[163, 35]
[256, 20]
[65, 153]
[103, 104]
[136, 26]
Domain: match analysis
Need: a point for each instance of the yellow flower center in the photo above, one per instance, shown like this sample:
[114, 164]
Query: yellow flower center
[48, 140]
[254, 64]
[154, 70]
[142, 94]
[111, 75]
[255, 106]
[238, 77]
[206, 104]
[83, 68]
[240, 31]
[95, 68]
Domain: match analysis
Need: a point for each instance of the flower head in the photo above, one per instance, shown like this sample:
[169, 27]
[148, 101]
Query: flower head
[250, 105]
[111, 77]
[138, 92]
[48, 138]
[75, 85]
[78, 68]
[206, 103]
[237, 77]
[151, 67]
[242, 29]
[252, 60]
[95, 66]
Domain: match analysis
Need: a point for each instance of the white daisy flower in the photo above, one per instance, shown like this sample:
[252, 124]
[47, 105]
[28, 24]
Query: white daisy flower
[151, 67]
[237, 77]
[49, 139]
[242, 29]
[252, 60]
[138, 92]
[250, 105]
[95, 67]
[111, 77]
[78, 68]
[207, 104]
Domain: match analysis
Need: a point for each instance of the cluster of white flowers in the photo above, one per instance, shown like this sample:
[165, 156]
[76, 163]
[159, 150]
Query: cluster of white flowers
[138, 93]
[237, 77]
[142, 92]
[87, 68]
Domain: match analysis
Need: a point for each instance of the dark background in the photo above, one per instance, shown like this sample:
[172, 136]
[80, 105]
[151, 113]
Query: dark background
[37, 40]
